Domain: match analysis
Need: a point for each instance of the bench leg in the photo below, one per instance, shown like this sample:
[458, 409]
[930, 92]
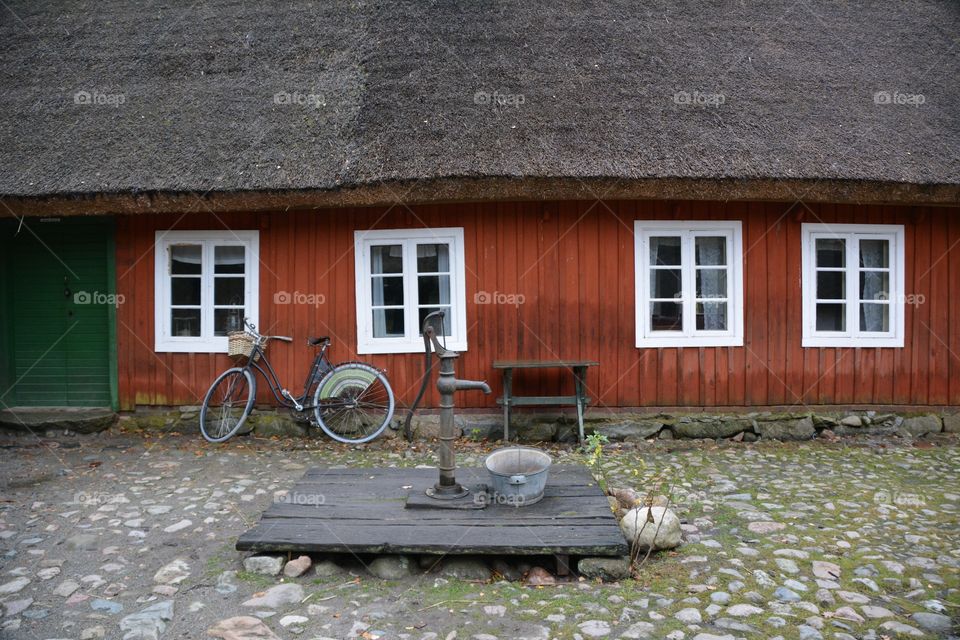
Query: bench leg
[563, 564]
[580, 391]
[507, 384]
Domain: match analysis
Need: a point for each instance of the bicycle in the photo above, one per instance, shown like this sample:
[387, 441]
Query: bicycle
[352, 402]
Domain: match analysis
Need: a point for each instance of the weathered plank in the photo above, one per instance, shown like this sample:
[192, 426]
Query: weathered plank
[363, 511]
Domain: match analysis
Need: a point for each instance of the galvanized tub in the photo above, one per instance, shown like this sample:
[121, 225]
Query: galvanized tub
[518, 475]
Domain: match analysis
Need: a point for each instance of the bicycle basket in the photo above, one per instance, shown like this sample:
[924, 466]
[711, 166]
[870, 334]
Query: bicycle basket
[240, 345]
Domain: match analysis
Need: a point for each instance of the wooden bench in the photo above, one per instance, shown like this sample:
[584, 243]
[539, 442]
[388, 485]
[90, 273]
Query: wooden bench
[580, 399]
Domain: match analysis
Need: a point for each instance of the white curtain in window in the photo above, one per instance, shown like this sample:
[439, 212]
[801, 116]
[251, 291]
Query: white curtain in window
[379, 317]
[872, 254]
[710, 252]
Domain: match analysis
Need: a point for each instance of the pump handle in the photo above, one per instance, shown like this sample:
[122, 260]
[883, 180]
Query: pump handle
[428, 335]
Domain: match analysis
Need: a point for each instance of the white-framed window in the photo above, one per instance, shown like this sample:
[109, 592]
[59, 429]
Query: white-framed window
[853, 285]
[206, 283]
[402, 275]
[689, 278]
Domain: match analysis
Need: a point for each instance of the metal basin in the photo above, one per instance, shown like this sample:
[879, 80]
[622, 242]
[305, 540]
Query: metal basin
[518, 475]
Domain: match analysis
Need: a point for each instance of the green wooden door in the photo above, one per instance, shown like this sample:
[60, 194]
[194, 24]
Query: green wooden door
[60, 313]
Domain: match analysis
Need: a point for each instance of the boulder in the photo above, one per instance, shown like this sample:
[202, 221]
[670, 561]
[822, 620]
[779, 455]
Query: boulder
[241, 628]
[390, 567]
[271, 424]
[787, 429]
[917, 426]
[711, 428]
[173, 572]
[465, 569]
[951, 422]
[297, 567]
[148, 624]
[78, 420]
[277, 596]
[628, 430]
[263, 565]
[607, 569]
[933, 622]
[662, 533]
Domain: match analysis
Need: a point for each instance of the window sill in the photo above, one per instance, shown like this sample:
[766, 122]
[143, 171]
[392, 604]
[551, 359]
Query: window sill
[404, 346]
[815, 342]
[689, 341]
[191, 345]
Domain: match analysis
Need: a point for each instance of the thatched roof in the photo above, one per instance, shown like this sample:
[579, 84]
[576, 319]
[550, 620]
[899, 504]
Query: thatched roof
[457, 100]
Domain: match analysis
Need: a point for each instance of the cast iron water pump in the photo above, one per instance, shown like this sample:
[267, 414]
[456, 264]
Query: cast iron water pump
[447, 487]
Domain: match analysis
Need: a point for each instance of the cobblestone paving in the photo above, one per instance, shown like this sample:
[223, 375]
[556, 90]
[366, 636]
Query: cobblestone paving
[118, 536]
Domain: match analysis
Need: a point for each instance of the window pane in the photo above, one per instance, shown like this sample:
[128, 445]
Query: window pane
[831, 317]
[229, 259]
[435, 322]
[185, 322]
[711, 283]
[874, 285]
[227, 320]
[666, 316]
[388, 323]
[185, 259]
[711, 251]
[387, 290]
[434, 289]
[874, 317]
[875, 254]
[665, 250]
[831, 285]
[831, 252]
[228, 291]
[665, 283]
[712, 316]
[432, 258]
[386, 259]
[185, 291]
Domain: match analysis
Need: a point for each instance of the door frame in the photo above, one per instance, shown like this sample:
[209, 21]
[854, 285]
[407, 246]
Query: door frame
[7, 372]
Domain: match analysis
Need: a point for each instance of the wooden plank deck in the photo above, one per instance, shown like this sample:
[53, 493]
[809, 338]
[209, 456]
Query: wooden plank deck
[363, 511]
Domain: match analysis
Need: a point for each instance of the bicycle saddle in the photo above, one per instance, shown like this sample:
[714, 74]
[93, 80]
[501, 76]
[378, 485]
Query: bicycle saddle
[313, 342]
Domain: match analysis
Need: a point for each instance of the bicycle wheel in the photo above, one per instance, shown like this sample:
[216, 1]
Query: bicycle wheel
[353, 403]
[227, 404]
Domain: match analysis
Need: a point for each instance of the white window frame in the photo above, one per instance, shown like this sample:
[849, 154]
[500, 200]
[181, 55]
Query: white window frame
[206, 342]
[412, 342]
[852, 233]
[688, 230]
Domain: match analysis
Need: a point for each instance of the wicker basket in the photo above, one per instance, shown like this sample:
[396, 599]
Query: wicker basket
[240, 345]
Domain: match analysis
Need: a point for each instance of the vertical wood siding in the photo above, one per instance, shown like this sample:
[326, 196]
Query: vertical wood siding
[572, 263]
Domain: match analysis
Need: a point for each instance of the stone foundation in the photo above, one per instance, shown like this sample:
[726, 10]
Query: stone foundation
[542, 427]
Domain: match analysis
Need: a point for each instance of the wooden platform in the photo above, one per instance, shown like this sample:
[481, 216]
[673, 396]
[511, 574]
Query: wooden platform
[363, 511]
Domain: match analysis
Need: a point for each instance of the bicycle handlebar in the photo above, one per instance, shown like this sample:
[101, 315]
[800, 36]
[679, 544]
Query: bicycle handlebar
[252, 330]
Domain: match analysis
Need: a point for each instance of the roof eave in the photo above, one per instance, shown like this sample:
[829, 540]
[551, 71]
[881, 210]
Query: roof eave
[488, 189]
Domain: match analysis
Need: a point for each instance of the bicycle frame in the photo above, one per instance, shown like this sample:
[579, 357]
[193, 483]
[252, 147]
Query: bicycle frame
[321, 365]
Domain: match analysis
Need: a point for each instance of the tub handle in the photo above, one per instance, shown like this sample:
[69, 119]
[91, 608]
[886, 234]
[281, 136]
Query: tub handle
[520, 479]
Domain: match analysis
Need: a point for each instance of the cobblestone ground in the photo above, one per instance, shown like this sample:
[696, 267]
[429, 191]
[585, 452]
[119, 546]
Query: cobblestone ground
[120, 536]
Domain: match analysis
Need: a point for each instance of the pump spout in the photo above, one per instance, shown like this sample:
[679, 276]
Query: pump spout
[468, 385]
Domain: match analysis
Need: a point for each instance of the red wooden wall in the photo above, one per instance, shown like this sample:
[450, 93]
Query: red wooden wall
[573, 264]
